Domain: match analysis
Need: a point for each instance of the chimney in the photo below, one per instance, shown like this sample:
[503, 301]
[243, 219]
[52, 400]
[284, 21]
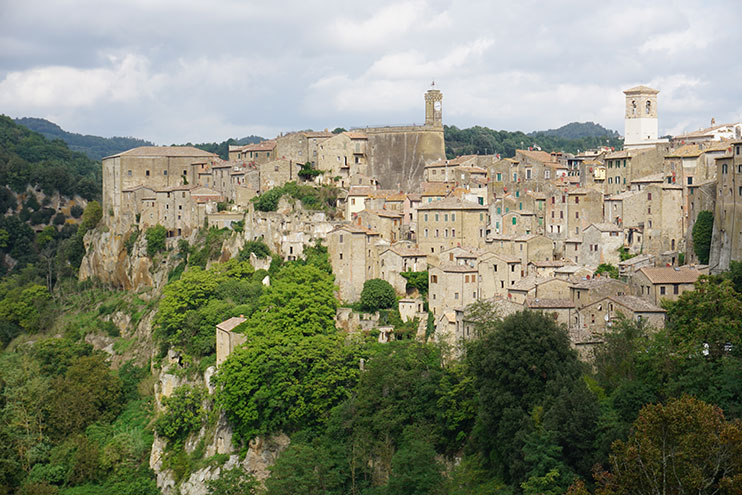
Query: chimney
[713, 121]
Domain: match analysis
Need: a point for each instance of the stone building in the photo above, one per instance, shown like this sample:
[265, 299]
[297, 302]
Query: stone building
[155, 167]
[600, 243]
[397, 155]
[451, 286]
[726, 243]
[254, 153]
[353, 254]
[387, 223]
[532, 287]
[398, 259]
[654, 284]
[451, 222]
[498, 272]
[227, 339]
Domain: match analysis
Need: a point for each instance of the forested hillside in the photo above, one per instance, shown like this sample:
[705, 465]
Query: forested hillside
[569, 139]
[95, 147]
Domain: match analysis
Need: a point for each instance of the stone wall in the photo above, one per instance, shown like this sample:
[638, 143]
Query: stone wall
[397, 155]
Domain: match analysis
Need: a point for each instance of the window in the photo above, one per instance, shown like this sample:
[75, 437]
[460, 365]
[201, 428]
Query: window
[456, 295]
[662, 290]
[649, 106]
[453, 232]
[649, 196]
[426, 217]
[436, 217]
[341, 255]
[164, 172]
[495, 267]
[690, 181]
[128, 173]
[434, 279]
[514, 220]
[445, 217]
[466, 279]
[426, 232]
[649, 210]
[445, 233]
[436, 232]
[577, 214]
[577, 200]
[453, 217]
[499, 177]
[146, 173]
[340, 239]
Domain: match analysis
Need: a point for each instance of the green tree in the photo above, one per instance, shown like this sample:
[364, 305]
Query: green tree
[702, 231]
[184, 413]
[608, 269]
[303, 469]
[417, 280]
[155, 237]
[285, 382]
[707, 318]
[257, 247]
[684, 446]
[91, 216]
[415, 469]
[516, 367]
[377, 294]
[234, 481]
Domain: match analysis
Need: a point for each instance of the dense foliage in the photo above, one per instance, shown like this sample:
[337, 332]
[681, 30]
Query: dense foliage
[27, 158]
[702, 232]
[377, 294]
[312, 198]
[482, 140]
[95, 147]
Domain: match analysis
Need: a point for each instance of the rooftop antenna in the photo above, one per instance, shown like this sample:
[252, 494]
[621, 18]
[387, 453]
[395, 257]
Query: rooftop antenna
[432, 84]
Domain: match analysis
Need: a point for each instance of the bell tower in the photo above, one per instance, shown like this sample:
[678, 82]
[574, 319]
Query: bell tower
[433, 107]
[640, 120]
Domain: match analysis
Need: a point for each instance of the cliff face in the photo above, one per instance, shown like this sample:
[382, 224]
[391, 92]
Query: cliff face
[106, 259]
[212, 439]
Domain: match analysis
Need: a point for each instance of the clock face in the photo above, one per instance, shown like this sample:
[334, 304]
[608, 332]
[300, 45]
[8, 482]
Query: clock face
[437, 106]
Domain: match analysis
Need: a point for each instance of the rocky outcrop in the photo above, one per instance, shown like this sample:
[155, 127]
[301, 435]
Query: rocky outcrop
[107, 260]
[215, 440]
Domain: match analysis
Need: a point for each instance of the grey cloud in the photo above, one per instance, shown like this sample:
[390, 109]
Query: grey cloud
[211, 70]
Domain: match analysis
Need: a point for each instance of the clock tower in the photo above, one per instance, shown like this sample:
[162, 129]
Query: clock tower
[433, 107]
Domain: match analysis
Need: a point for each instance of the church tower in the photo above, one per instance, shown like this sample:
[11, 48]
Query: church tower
[433, 107]
[640, 121]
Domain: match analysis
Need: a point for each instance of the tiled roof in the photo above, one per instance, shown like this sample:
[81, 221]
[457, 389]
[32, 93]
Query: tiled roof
[605, 227]
[360, 190]
[261, 146]
[436, 188]
[356, 135]
[167, 151]
[670, 274]
[637, 304]
[541, 303]
[540, 156]
[456, 268]
[687, 151]
[547, 264]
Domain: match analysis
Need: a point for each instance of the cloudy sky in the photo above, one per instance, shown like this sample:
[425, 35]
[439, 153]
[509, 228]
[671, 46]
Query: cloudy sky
[176, 71]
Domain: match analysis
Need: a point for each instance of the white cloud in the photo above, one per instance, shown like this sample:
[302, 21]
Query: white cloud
[58, 86]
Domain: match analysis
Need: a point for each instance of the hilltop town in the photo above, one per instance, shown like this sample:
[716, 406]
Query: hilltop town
[581, 237]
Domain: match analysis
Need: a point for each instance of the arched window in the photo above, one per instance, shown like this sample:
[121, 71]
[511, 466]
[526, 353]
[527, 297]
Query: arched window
[633, 107]
[649, 106]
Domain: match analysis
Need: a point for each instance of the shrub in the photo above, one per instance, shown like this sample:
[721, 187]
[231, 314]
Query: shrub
[76, 211]
[91, 216]
[702, 231]
[183, 413]
[155, 239]
[258, 247]
[377, 294]
[59, 219]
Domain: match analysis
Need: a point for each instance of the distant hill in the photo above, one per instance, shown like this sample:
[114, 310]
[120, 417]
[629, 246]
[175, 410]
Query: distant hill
[483, 140]
[95, 147]
[577, 130]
